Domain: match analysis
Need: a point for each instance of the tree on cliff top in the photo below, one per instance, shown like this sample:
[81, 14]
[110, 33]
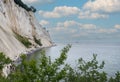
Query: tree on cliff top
[21, 4]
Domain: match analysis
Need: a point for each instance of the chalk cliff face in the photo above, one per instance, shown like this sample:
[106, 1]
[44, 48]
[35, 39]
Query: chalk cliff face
[16, 20]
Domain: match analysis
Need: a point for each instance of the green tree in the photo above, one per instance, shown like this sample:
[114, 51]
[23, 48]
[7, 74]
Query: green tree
[3, 60]
[116, 78]
[24, 40]
[88, 71]
[57, 71]
[51, 71]
[44, 71]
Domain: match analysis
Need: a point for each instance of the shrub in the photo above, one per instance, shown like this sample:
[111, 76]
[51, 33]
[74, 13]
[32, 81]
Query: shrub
[3, 60]
[37, 41]
[21, 4]
[25, 41]
[116, 78]
[57, 71]
[44, 71]
[88, 71]
[33, 9]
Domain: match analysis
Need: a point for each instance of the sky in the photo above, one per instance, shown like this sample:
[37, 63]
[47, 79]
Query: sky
[79, 20]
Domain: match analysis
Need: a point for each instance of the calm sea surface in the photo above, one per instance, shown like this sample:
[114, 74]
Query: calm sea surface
[108, 52]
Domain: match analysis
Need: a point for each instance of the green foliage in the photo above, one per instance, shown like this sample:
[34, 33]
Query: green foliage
[25, 41]
[33, 9]
[116, 78]
[57, 71]
[37, 41]
[3, 60]
[50, 71]
[45, 71]
[3, 79]
[25, 72]
[88, 71]
[20, 3]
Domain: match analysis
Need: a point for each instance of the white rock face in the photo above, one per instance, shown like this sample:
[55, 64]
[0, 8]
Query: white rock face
[17, 19]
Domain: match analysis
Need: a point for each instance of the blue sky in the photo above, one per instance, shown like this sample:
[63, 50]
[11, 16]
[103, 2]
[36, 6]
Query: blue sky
[79, 20]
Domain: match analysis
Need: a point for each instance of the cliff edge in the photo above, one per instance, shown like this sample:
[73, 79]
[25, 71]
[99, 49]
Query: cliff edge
[20, 32]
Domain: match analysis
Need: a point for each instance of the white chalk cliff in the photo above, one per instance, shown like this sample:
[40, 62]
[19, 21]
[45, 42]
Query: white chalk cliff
[15, 19]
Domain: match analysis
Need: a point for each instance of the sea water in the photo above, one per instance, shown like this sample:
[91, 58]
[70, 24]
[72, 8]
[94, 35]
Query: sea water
[107, 52]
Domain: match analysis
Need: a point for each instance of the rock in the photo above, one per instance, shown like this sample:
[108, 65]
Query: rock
[15, 19]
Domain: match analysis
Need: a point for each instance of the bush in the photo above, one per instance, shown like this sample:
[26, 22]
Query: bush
[33, 9]
[20, 3]
[116, 78]
[3, 60]
[57, 71]
[88, 71]
[25, 41]
[37, 41]
[45, 71]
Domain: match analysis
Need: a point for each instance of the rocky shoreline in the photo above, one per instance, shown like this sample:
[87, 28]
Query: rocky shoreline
[29, 53]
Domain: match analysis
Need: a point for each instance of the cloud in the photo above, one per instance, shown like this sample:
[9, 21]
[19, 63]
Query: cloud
[108, 31]
[30, 1]
[73, 24]
[91, 15]
[37, 1]
[71, 29]
[87, 26]
[67, 24]
[60, 11]
[74, 30]
[44, 22]
[103, 5]
[117, 26]
[63, 11]
[49, 14]
[91, 10]
[95, 33]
